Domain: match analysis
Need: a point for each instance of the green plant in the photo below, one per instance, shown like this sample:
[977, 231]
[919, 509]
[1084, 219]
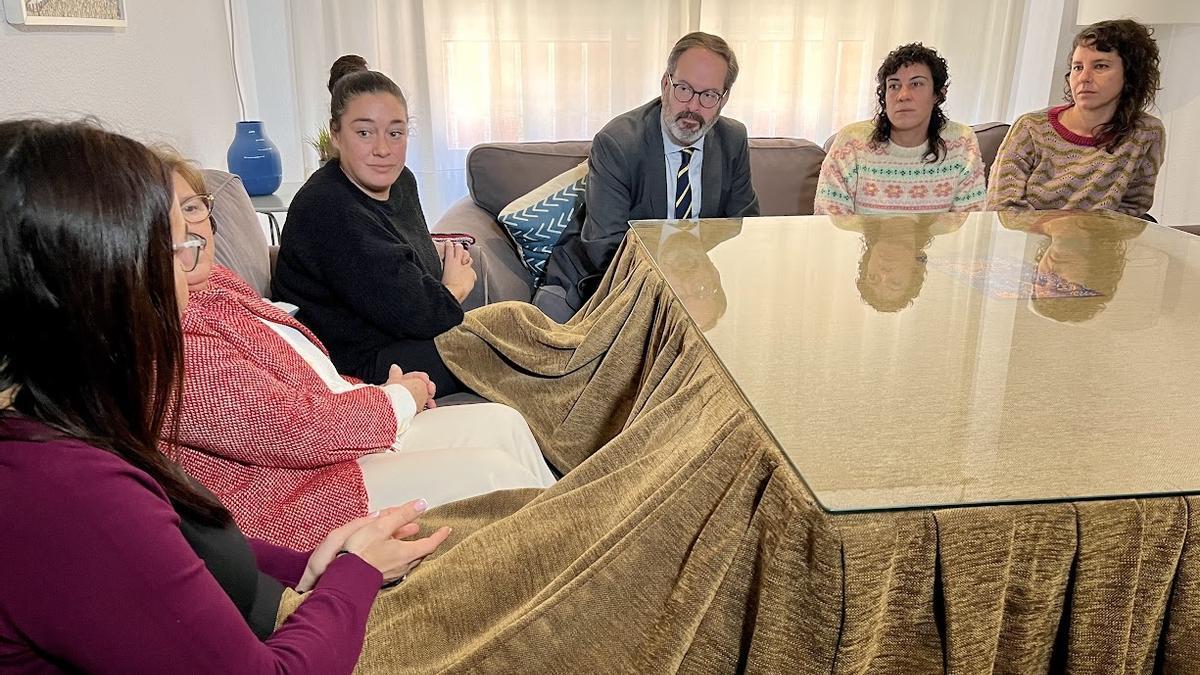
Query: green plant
[322, 143]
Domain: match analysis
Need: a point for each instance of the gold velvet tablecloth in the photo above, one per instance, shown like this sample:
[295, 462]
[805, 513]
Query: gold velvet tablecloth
[681, 540]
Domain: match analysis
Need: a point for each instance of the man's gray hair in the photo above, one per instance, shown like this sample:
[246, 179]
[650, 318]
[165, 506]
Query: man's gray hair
[714, 44]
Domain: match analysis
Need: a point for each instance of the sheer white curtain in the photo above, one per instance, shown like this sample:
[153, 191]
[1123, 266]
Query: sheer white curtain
[480, 71]
[808, 67]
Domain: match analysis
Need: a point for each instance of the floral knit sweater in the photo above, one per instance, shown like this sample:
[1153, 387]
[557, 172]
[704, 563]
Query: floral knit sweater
[1043, 165]
[861, 177]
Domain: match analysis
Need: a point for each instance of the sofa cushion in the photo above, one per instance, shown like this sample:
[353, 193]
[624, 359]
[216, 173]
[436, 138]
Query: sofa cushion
[497, 173]
[989, 135]
[241, 244]
[537, 219]
[784, 173]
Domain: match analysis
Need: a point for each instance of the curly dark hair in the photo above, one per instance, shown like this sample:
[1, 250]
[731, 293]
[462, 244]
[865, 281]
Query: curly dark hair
[1135, 44]
[905, 55]
[1100, 244]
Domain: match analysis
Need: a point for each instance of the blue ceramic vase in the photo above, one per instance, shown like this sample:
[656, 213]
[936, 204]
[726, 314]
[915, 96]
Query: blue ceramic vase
[255, 159]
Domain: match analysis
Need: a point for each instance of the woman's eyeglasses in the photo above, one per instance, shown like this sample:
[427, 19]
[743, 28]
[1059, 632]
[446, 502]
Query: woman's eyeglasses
[197, 207]
[188, 251]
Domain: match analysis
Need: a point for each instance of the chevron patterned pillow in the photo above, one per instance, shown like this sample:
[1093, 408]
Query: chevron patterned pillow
[536, 220]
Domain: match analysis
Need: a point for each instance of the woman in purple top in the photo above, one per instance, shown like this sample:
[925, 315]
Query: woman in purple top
[112, 559]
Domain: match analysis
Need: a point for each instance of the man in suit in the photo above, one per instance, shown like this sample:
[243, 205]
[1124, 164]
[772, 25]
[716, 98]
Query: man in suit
[673, 158]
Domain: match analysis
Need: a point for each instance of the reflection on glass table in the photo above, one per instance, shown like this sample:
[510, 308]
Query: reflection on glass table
[1080, 261]
[892, 268]
[952, 360]
[681, 251]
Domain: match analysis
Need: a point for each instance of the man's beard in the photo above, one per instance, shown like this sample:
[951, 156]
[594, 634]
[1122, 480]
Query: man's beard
[679, 133]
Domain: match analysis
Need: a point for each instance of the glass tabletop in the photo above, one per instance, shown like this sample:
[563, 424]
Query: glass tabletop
[955, 359]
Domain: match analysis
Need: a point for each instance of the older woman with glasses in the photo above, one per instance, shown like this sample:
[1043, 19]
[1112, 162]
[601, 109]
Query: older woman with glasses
[292, 447]
[197, 210]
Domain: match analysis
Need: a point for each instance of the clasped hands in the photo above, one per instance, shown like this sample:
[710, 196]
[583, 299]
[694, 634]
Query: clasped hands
[417, 383]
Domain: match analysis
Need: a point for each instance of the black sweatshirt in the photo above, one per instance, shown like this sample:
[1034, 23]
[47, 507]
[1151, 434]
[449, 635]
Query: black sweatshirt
[364, 272]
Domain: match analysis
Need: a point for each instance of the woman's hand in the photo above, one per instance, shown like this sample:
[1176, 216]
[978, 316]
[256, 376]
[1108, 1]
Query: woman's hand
[457, 273]
[379, 542]
[417, 383]
[324, 554]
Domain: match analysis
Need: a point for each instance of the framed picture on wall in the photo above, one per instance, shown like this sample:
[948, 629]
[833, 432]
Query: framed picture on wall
[110, 13]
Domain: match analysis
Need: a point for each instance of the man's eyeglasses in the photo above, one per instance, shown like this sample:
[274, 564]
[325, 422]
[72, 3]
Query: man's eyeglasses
[188, 251]
[197, 207]
[683, 93]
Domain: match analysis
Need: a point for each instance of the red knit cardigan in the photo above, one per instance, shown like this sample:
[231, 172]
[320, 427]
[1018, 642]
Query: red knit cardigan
[261, 430]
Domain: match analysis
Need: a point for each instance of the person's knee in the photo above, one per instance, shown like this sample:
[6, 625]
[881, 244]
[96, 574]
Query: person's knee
[500, 469]
[498, 413]
[511, 431]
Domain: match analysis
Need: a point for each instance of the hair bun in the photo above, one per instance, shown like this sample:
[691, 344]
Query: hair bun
[349, 63]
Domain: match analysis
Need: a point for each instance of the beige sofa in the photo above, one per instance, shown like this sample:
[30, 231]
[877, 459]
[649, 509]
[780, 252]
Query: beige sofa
[241, 244]
[784, 172]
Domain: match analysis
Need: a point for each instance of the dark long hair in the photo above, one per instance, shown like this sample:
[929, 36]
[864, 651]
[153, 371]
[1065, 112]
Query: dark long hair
[905, 55]
[1135, 44]
[91, 339]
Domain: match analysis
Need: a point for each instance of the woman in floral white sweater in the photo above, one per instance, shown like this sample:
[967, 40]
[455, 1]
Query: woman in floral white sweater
[910, 158]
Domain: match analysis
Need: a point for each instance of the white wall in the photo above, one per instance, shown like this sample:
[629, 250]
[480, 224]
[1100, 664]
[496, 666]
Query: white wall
[1148, 11]
[166, 77]
[1177, 197]
[1036, 72]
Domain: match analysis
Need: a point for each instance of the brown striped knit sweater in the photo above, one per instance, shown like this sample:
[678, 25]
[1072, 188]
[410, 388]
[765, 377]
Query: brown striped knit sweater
[1043, 165]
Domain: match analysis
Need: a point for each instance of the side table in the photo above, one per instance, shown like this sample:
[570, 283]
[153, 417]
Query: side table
[277, 202]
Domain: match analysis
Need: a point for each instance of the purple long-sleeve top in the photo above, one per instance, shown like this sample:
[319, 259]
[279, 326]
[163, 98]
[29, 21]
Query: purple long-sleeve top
[96, 575]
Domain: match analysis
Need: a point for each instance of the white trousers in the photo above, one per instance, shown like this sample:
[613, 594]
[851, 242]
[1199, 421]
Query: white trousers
[453, 453]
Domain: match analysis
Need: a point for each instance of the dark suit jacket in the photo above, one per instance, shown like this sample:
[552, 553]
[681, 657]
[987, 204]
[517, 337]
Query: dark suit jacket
[626, 181]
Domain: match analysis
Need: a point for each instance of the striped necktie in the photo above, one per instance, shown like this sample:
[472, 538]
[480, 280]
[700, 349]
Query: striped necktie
[683, 186]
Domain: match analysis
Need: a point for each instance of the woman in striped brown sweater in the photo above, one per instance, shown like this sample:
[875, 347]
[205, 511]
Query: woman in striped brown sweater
[1099, 151]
